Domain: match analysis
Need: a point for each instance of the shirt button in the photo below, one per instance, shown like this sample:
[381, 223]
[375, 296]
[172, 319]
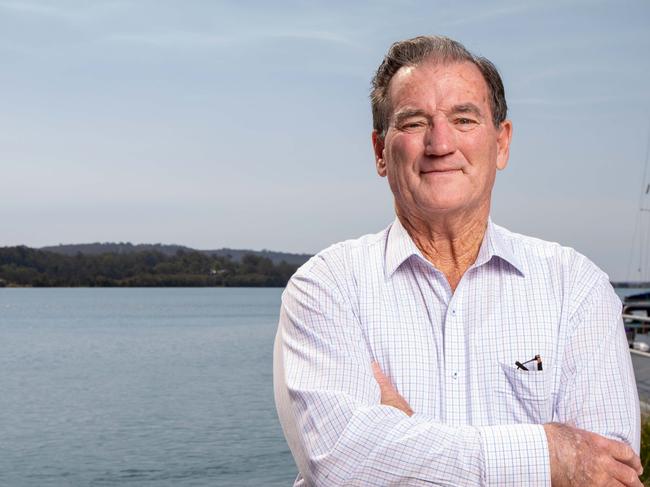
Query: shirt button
[453, 311]
[454, 375]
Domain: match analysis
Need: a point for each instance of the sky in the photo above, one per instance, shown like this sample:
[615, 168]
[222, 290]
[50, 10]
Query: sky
[247, 124]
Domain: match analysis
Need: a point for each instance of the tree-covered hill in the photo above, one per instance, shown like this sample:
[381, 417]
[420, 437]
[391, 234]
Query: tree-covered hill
[24, 266]
[170, 250]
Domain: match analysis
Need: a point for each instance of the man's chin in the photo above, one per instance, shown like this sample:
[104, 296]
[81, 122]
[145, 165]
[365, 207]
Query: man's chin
[443, 205]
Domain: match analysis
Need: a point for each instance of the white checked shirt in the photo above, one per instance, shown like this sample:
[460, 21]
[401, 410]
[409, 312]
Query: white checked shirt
[477, 417]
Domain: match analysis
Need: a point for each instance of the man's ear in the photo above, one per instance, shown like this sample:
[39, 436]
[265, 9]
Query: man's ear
[503, 144]
[378, 148]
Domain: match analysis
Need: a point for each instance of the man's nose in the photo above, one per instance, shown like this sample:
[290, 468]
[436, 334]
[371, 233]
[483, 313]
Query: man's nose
[440, 138]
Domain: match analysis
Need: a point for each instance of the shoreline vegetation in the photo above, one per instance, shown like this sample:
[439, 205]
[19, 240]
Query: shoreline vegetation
[27, 267]
[127, 265]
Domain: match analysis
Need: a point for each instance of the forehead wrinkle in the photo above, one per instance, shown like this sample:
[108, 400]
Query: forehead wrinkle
[407, 79]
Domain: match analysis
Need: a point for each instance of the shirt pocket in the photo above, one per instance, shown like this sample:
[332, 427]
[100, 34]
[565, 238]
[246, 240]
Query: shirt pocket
[524, 396]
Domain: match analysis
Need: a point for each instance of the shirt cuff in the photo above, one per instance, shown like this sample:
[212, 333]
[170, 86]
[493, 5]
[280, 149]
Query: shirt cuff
[515, 455]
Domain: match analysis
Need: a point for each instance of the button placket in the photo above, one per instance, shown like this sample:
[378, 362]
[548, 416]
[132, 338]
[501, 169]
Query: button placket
[455, 365]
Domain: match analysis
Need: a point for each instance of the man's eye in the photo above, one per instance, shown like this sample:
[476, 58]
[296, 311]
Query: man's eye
[465, 121]
[413, 125]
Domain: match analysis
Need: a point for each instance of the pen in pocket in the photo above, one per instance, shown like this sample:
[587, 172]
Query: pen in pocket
[537, 359]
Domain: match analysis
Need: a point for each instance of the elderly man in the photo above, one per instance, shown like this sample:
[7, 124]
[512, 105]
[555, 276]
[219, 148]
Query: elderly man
[446, 350]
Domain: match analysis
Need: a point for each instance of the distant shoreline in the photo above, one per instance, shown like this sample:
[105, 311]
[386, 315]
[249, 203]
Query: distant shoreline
[145, 266]
[27, 267]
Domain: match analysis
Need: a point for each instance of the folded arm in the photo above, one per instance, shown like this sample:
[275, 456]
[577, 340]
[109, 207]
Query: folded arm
[339, 433]
[598, 394]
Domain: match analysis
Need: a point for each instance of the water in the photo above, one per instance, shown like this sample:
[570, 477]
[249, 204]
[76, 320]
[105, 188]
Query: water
[164, 387]
[147, 387]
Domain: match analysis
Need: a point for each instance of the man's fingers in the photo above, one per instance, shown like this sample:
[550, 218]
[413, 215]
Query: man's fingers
[382, 380]
[624, 474]
[616, 483]
[624, 454]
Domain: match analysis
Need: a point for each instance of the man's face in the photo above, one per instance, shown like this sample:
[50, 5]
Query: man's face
[441, 150]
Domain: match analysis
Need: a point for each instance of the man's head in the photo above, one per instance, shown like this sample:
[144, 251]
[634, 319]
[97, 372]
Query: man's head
[440, 132]
[412, 52]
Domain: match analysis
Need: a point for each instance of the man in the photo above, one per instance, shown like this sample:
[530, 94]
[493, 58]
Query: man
[446, 350]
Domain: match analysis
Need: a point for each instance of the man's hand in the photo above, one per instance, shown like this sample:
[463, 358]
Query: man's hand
[582, 458]
[389, 395]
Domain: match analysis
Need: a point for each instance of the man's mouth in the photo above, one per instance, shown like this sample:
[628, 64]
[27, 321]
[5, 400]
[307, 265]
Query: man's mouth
[440, 171]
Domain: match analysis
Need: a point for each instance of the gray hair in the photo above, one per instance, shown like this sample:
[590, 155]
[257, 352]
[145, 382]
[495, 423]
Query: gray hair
[412, 52]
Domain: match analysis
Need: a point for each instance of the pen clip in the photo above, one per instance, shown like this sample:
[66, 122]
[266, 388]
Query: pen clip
[537, 358]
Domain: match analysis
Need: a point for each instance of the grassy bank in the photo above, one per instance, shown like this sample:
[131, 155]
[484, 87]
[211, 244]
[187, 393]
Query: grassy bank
[645, 448]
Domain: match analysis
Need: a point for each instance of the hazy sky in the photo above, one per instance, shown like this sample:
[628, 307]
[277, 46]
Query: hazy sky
[247, 124]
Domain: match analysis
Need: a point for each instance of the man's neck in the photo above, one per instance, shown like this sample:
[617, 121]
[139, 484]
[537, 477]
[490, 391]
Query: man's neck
[451, 243]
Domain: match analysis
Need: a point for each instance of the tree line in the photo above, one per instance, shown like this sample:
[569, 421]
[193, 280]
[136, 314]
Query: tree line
[24, 266]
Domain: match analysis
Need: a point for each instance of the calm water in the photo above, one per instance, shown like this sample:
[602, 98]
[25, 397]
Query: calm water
[164, 387]
[147, 387]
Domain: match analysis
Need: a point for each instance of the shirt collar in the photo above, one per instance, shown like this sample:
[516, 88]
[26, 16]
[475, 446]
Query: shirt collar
[496, 244]
[400, 246]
